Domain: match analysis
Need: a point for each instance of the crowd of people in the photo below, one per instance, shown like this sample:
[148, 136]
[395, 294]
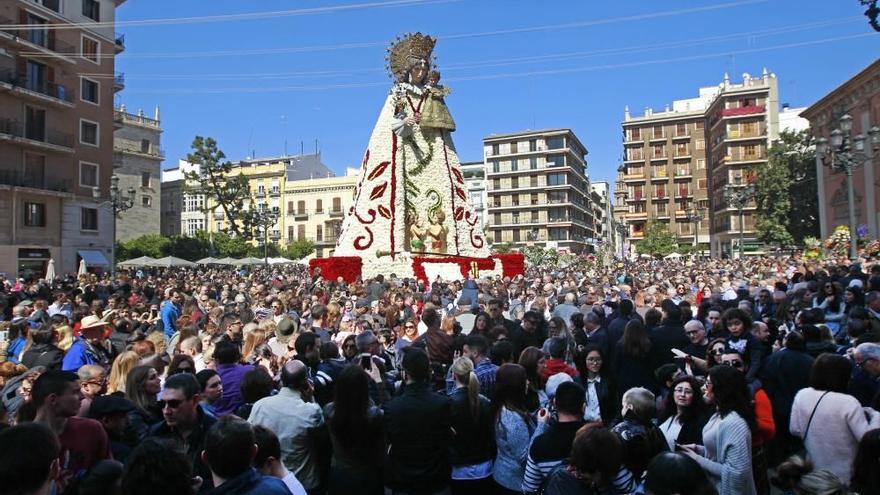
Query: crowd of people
[643, 377]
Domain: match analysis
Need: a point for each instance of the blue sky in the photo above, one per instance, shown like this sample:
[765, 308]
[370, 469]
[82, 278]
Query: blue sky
[253, 82]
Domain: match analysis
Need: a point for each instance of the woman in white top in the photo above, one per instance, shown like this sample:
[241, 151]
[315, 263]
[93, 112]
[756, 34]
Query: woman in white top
[686, 413]
[726, 455]
[838, 420]
[830, 301]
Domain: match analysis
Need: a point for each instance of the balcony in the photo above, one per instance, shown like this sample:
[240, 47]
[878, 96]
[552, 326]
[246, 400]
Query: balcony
[327, 240]
[260, 194]
[119, 42]
[218, 215]
[661, 214]
[300, 215]
[46, 139]
[684, 194]
[738, 135]
[660, 196]
[118, 82]
[17, 179]
[131, 147]
[274, 192]
[634, 177]
[742, 111]
[635, 197]
[635, 157]
[38, 40]
[682, 173]
[743, 157]
[41, 91]
[661, 157]
[659, 175]
[681, 136]
[658, 137]
[336, 213]
[120, 116]
[636, 215]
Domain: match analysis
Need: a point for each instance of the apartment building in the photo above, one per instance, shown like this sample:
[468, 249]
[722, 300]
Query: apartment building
[314, 209]
[182, 207]
[664, 171]
[56, 133]
[538, 189]
[475, 182]
[741, 123]
[680, 161]
[137, 163]
[603, 214]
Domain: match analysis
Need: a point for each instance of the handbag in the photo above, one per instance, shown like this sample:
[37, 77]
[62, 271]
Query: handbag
[802, 451]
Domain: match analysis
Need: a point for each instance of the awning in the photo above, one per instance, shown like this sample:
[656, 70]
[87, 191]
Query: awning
[93, 258]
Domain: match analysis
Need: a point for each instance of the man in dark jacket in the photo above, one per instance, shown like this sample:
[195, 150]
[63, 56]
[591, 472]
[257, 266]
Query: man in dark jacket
[230, 449]
[43, 352]
[618, 325]
[669, 335]
[417, 463]
[532, 333]
[185, 424]
[785, 373]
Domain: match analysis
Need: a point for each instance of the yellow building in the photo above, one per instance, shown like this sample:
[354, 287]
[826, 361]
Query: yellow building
[314, 209]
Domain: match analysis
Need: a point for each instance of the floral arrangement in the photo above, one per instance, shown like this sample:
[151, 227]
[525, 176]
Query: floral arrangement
[838, 242]
[872, 249]
[812, 248]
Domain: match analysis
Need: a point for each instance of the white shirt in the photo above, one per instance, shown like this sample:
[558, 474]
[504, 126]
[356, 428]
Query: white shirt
[592, 412]
[671, 428]
[293, 484]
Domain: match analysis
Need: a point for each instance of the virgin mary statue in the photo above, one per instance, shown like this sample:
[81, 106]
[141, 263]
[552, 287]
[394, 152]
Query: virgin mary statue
[411, 198]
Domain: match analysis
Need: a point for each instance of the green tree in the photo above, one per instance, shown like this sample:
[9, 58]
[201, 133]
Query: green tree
[215, 180]
[504, 247]
[658, 240]
[540, 256]
[785, 192]
[299, 249]
[152, 245]
[188, 248]
[224, 244]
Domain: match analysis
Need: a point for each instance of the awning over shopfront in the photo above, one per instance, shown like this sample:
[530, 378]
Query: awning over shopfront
[93, 258]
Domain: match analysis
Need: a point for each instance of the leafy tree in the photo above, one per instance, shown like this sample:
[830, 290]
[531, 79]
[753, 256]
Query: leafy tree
[785, 192]
[152, 245]
[658, 240]
[504, 247]
[188, 248]
[214, 179]
[540, 256]
[299, 249]
[224, 244]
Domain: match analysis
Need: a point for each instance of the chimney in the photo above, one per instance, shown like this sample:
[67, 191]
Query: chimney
[648, 111]
[626, 112]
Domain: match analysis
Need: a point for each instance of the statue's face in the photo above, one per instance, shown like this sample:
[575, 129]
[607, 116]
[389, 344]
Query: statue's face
[418, 72]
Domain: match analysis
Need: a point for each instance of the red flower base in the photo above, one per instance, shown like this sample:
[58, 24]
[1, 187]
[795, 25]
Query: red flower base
[347, 267]
[350, 267]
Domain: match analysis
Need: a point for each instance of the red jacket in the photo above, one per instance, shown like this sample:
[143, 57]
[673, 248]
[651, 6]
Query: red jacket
[558, 365]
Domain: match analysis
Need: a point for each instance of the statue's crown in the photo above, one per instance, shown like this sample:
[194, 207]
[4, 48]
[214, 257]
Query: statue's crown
[405, 49]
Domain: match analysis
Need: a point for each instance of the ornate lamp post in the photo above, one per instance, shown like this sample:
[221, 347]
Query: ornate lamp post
[695, 216]
[843, 154]
[117, 203]
[265, 219]
[623, 230]
[738, 196]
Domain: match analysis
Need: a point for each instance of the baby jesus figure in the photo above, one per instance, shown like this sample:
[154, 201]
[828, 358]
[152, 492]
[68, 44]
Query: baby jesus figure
[434, 111]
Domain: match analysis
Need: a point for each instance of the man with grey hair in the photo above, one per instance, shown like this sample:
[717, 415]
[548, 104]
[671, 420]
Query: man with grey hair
[696, 333]
[867, 358]
[567, 308]
[595, 333]
[192, 347]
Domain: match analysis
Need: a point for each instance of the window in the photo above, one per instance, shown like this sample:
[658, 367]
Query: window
[534, 217]
[513, 148]
[514, 183]
[496, 220]
[89, 218]
[90, 49]
[555, 143]
[34, 214]
[556, 197]
[36, 77]
[319, 233]
[88, 132]
[290, 233]
[681, 149]
[88, 90]
[701, 144]
[533, 181]
[147, 202]
[496, 201]
[289, 207]
[516, 235]
[300, 232]
[495, 149]
[34, 123]
[533, 145]
[145, 179]
[514, 165]
[495, 167]
[88, 174]
[301, 208]
[496, 183]
[514, 200]
[91, 9]
[659, 151]
[533, 163]
[701, 163]
[681, 129]
[50, 4]
[337, 205]
[658, 132]
[751, 151]
[35, 170]
[635, 134]
[497, 236]
[319, 206]
[555, 161]
[556, 179]
[37, 35]
[699, 125]
[701, 184]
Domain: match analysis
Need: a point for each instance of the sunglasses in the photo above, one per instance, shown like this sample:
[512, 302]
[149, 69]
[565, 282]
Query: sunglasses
[718, 351]
[735, 364]
[173, 403]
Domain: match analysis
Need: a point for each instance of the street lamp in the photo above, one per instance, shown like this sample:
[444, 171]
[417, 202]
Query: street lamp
[695, 216]
[738, 196]
[117, 203]
[265, 219]
[623, 230]
[843, 154]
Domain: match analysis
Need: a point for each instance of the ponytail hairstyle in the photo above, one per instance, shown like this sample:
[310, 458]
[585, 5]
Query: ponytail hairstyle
[463, 369]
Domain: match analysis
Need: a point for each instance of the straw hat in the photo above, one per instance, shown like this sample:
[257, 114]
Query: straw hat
[92, 321]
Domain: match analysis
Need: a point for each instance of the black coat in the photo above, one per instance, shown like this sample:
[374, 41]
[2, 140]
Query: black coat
[669, 335]
[609, 400]
[418, 425]
[630, 371]
[784, 374]
[47, 355]
[474, 440]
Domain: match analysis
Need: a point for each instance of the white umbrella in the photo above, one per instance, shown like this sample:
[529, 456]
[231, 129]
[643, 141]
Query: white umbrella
[135, 262]
[50, 271]
[249, 261]
[224, 261]
[279, 261]
[82, 268]
[170, 261]
[671, 256]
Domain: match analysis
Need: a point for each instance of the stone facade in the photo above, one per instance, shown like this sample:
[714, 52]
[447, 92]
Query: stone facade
[138, 164]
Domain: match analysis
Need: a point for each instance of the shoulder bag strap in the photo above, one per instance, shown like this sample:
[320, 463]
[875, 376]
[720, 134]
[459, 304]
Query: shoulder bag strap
[807, 430]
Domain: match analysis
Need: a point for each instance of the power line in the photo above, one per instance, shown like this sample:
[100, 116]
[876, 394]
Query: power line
[370, 44]
[507, 75]
[496, 62]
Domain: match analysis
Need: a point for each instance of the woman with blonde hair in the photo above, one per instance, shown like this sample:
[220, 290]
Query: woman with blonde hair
[473, 448]
[253, 339]
[122, 365]
[64, 337]
[334, 315]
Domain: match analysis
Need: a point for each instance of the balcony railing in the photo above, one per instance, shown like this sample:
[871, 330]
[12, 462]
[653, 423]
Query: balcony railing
[125, 117]
[737, 112]
[119, 41]
[37, 36]
[682, 172]
[119, 80]
[129, 146]
[336, 213]
[57, 91]
[48, 135]
[18, 179]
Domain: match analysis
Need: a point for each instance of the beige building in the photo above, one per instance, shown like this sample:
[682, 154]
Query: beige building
[314, 209]
[137, 163]
[475, 181]
[56, 133]
[538, 189]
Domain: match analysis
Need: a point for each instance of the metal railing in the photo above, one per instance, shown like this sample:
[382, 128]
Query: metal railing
[19, 179]
[37, 36]
[129, 146]
[57, 91]
[121, 116]
[46, 135]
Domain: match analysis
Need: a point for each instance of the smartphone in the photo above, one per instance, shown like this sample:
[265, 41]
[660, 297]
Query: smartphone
[367, 361]
[4, 335]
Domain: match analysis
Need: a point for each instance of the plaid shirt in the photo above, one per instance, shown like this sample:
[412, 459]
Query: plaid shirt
[485, 371]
